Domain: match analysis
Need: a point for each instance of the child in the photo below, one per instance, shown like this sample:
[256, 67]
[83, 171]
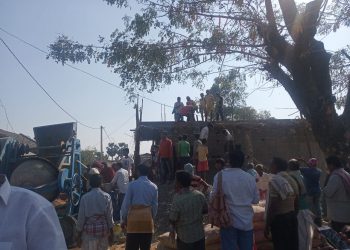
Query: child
[203, 167]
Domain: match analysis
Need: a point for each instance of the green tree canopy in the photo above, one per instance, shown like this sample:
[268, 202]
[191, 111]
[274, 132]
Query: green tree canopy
[190, 40]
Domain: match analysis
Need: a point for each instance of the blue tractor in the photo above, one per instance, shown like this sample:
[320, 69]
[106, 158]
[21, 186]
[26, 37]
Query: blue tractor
[54, 171]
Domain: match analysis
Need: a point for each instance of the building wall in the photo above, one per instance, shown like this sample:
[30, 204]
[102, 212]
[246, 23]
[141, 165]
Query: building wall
[260, 140]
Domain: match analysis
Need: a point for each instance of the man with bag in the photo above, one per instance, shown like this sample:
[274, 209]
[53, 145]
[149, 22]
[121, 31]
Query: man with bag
[234, 192]
[138, 211]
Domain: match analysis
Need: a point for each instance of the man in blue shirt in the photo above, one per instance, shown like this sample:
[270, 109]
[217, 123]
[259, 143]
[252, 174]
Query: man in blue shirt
[312, 177]
[138, 211]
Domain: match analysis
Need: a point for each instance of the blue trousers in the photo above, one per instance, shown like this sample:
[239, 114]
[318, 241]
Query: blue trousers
[235, 239]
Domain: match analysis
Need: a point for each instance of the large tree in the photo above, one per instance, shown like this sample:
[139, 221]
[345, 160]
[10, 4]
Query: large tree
[189, 40]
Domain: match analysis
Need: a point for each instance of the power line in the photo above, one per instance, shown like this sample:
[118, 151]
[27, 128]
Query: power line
[6, 115]
[42, 88]
[78, 69]
[109, 138]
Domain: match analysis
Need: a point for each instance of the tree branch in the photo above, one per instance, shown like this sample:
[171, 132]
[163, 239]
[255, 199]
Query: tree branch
[289, 11]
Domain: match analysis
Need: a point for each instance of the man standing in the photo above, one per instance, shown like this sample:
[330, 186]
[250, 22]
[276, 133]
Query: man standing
[165, 155]
[203, 165]
[240, 192]
[337, 193]
[128, 163]
[27, 220]
[312, 176]
[209, 105]
[139, 210]
[220, 108]
[95, 218]
[281, 218]
[202, 107]
[176, 111]
[263, 181]
[120, 184]
[204, 134]
[196, 143]
[186, 214]
[183, 149]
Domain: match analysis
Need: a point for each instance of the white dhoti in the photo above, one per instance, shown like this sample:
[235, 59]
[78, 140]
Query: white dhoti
[305, 229]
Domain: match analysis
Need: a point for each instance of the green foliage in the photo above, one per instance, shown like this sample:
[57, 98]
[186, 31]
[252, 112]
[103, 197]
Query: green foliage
[116, 149]
[89, 155]
[187, 41]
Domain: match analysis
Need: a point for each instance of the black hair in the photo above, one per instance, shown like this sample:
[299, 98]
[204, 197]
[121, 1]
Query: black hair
[237, 158]
[184, 178]
[293, 165]
[117, 165]
[210, 125]
[143, 169]
[204, 141]
[220, 161]
[196, 136]
[126, 151]
[281, 164]
[184, 137]
[104, 164]
[95, 180]
[334, 161]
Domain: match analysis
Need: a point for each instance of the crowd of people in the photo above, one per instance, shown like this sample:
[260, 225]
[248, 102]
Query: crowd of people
[209, 107]
[296, 201]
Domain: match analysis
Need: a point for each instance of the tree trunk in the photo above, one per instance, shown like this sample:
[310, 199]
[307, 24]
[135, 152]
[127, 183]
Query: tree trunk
[303, 70]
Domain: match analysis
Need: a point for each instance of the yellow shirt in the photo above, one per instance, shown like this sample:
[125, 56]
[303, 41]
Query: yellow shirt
[202, 151]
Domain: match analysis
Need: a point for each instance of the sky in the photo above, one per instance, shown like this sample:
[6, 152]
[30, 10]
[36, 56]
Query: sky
[92, 102]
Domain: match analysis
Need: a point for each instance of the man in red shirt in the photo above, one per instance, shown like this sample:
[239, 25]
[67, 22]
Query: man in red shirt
[165, 156]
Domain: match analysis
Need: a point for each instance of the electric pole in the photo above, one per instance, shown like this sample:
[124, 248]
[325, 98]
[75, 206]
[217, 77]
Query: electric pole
[101, 157]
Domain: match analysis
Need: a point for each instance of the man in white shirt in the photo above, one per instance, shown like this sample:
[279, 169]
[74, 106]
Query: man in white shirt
[128, 163]
[204, 134]
[240, 191]
[120, 182]
[27, 220]
[263, 181]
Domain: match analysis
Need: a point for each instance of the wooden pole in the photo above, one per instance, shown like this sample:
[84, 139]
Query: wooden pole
[137, 134]
[101, 148]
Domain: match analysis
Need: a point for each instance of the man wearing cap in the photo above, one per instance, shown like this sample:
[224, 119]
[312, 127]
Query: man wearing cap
[197, 182]
[312, 176]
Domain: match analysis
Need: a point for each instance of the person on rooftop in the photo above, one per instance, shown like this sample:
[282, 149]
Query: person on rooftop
[202, 107]
[219, 109]
[178, 105]
[209, 106]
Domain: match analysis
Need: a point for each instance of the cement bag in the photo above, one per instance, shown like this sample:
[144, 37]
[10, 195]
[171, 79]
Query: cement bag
[259, 236]
[216, 246]
[259, 213]
[212, 235]
[259, 225]
[268, 245]
[166, 242]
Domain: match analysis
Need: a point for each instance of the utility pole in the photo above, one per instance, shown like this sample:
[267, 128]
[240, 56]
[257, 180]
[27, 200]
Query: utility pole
[137, 135]
[101, 157]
